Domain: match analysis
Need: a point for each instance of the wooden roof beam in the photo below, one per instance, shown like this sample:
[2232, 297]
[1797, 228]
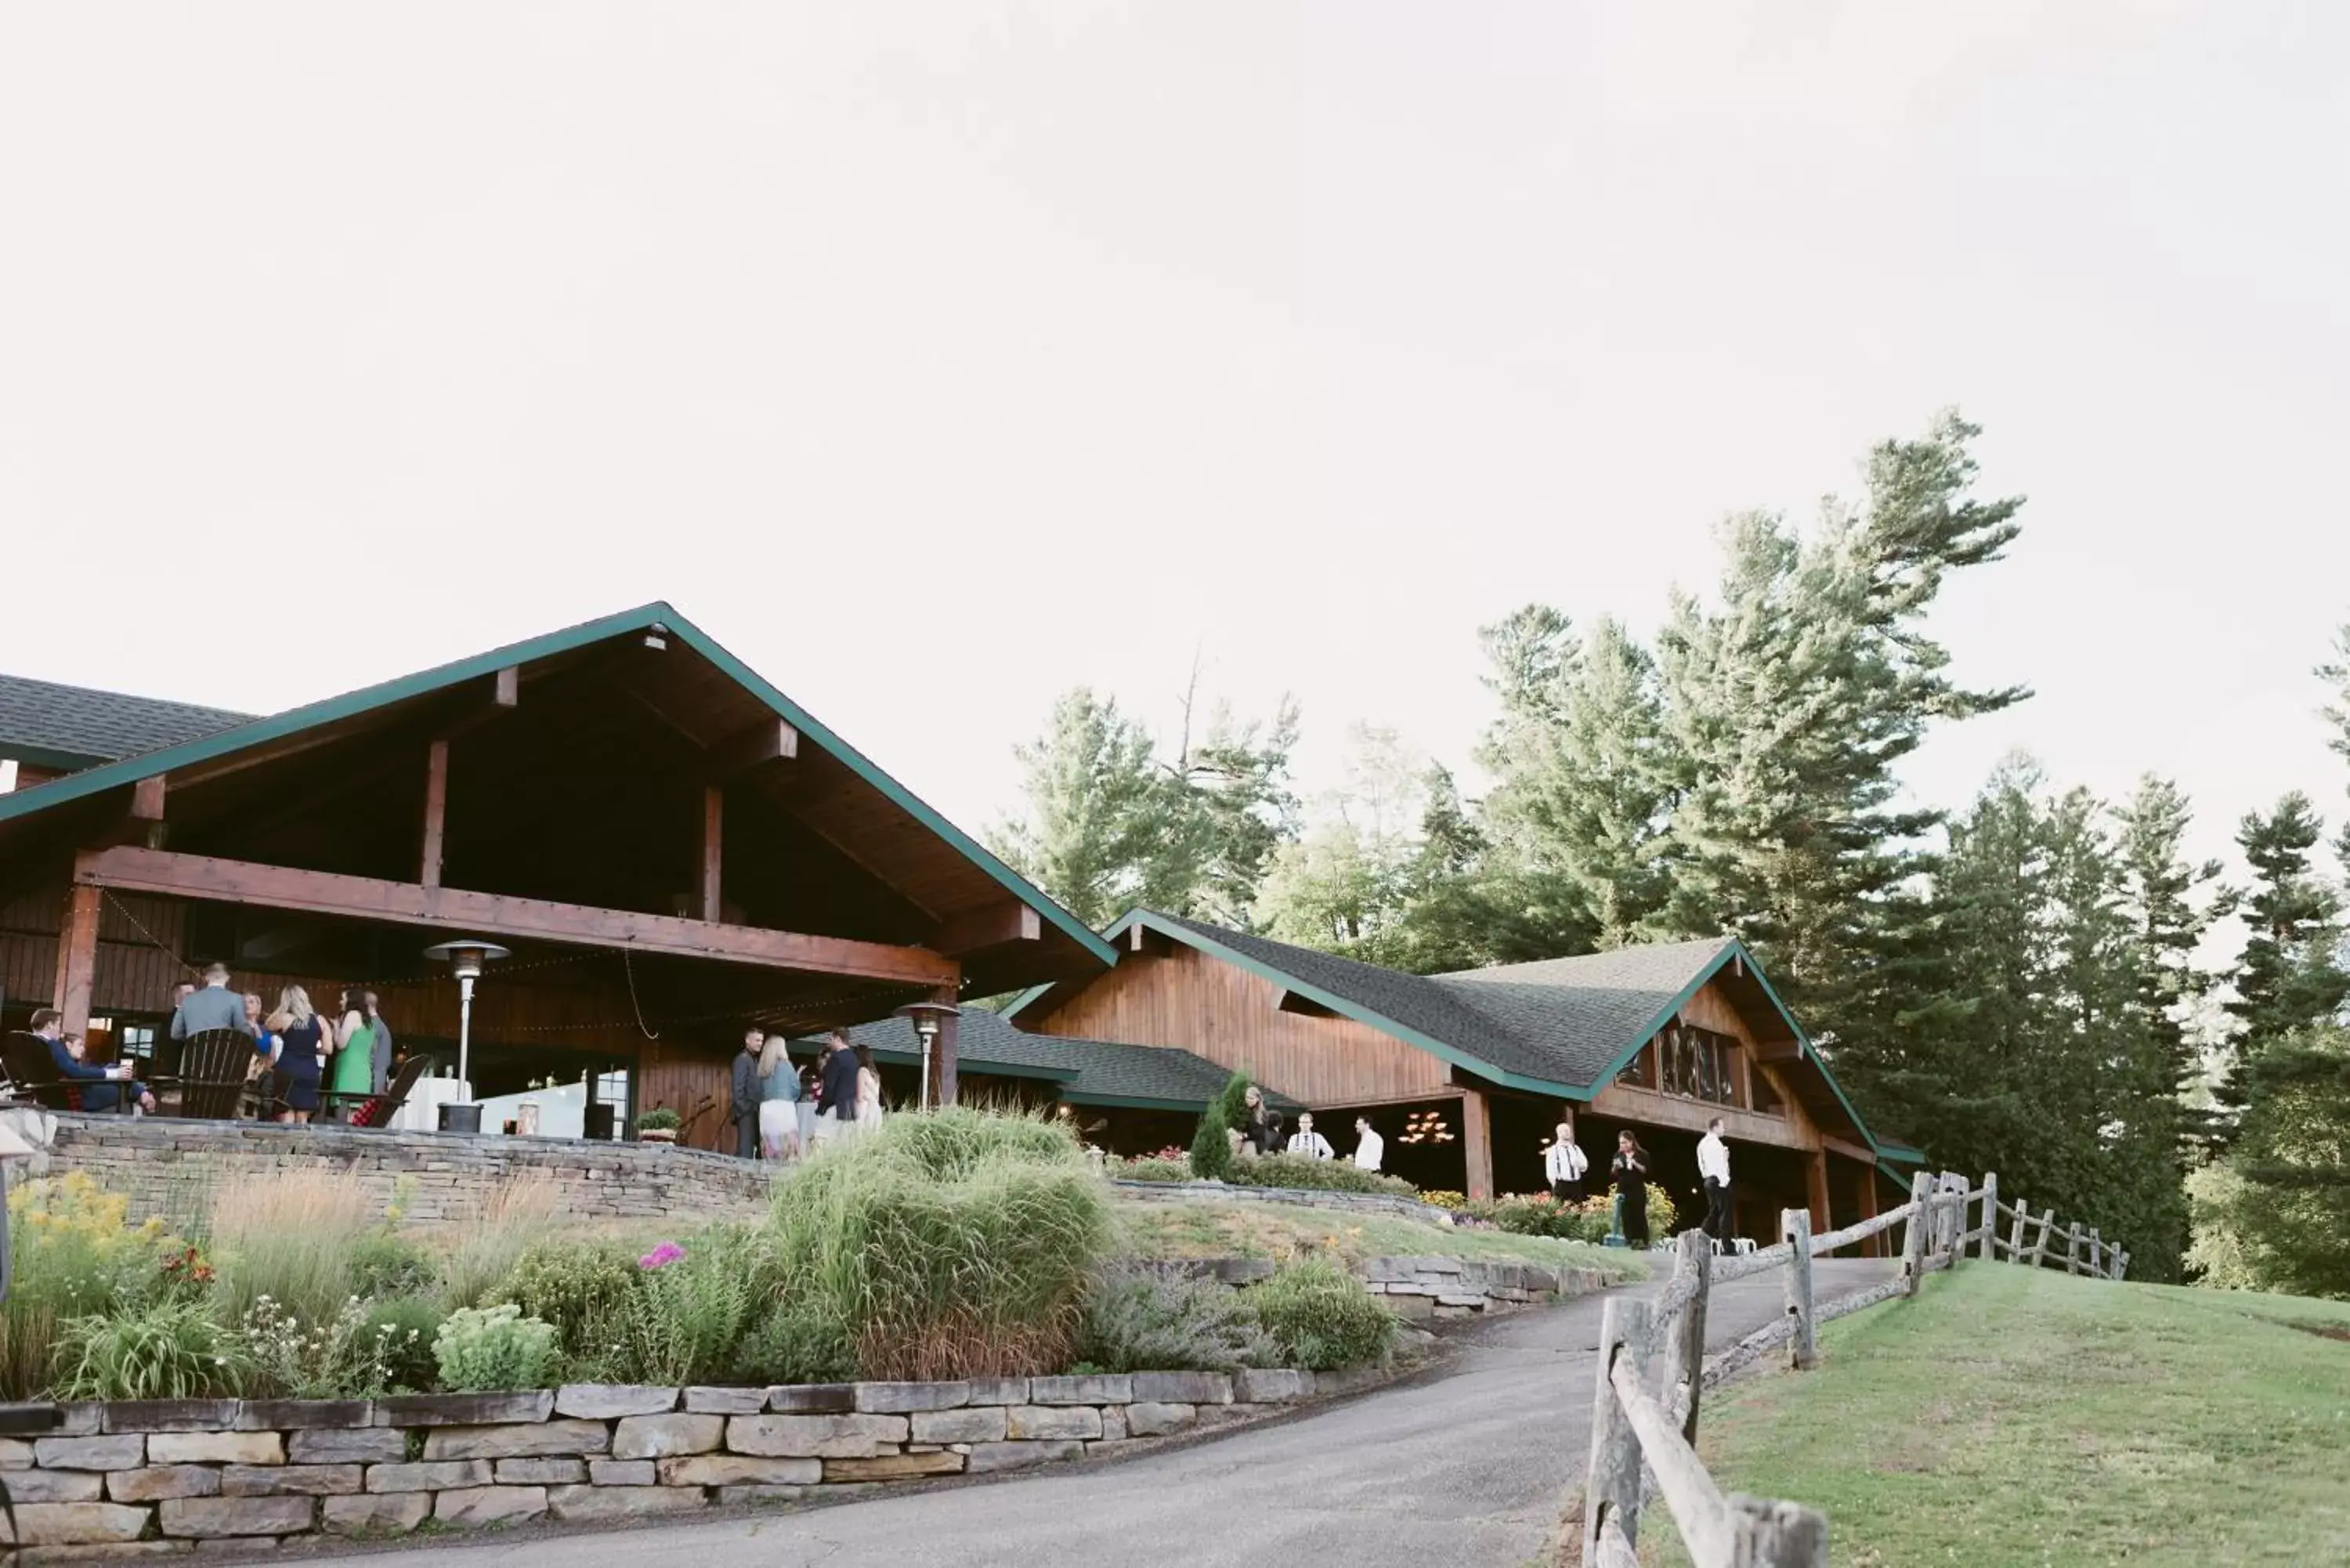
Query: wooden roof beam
[1779, 1051]
[769, 740]
[993, 926]
[172, 876]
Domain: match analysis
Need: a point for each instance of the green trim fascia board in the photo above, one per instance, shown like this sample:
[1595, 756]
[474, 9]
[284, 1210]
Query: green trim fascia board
[295, 720]
[1345, 1007]
[1013, 1007]
[47, 757]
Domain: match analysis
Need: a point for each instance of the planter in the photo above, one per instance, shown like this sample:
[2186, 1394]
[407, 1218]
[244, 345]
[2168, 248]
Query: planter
[461, 1118]
[657, 1134]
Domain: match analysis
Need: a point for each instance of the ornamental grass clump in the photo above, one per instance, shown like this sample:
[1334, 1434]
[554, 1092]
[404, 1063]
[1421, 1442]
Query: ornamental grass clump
[169, 1348]
[953, 1245]
[289, 1236]
[1141, 1321]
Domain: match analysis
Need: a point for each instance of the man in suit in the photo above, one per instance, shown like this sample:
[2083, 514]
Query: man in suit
[101, 1087]
[381, 1067]
[745, 1094]
[836, 1095]
[214, 1007]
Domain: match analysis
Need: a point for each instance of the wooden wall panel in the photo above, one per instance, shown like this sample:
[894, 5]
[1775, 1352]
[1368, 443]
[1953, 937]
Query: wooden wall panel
[1229, 1016]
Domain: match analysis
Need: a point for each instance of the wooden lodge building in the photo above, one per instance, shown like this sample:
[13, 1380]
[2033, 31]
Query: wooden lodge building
[670, 847]
[1481, 1064]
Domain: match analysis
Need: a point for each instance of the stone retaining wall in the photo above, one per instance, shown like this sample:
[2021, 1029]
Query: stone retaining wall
[1301, 1197]
[158, 1476]
[1421, 1289]
[156, 1162]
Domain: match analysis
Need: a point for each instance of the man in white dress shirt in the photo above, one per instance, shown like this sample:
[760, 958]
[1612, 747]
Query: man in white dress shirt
[1369, 1147]
[1713, 1168]
[1308, 1142]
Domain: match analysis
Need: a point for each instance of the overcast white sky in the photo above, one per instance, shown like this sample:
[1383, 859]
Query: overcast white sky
[937, 356]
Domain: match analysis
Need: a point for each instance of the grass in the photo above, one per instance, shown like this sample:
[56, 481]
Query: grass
[2012, 1417]
[1239, 1229]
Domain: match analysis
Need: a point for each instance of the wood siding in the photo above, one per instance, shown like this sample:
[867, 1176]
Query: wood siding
[1232, 1018]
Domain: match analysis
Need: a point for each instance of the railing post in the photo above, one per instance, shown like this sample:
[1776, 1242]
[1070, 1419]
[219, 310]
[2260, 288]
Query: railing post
[2015, 1240]
[2072, 1249]
[2096, 1254]
[1990, 1217]
[1913, 1234]
[1766, 1534]
[2121, 1264]
[1685, 1336]
[2040, 1245]
[1611, 1489]
[1795, 1228]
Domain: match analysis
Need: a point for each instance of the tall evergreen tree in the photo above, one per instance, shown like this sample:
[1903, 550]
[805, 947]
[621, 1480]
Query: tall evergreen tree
[2289, 975]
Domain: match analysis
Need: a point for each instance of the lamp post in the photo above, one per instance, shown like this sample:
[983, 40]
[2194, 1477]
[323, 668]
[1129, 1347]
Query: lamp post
[928, 1018]
[465, 957]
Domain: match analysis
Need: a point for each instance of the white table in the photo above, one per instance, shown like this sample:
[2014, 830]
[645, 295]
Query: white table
[422, 1113]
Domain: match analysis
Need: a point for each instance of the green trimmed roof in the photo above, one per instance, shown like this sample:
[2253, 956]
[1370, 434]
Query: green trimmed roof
[75, 727]
[1086, 1072]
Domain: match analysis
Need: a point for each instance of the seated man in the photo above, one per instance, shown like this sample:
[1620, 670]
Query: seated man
[101, 1087]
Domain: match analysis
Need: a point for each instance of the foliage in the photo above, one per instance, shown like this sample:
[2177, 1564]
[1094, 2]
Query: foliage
[494, 1238]
[485, 1349]
[1318, 1315]
[661, 1118]
[2289, 975]
[1137, 1319]
[1444, 1198]
[685, 1317]
[1296, 1170]
[74, 1255]
[795, 1339]
[386, 1263]
[1212, 1145]
[167, 1348]
[403, 1330]
[1160, 1167]
[2276, 1215]
[583, 1290]
[948, 1245]
[290, 1236]
[354, 1355]
[1540, 1214]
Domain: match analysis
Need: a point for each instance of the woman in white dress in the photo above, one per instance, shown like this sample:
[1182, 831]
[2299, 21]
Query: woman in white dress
[868, 1090]
[779, 1092]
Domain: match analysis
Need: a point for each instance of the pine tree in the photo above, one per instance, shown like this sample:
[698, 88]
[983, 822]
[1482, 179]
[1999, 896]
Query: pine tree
[2289, 975]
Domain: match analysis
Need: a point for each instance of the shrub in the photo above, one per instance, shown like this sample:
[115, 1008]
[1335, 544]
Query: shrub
[404, 1331]
[661, 1118]
[168, 1349]
[796, 1340]
[584, 1290]
[1141, 1321]
[484, 1349]
[1153, 1168]
[1445, 1197]
[685, 1316]
[1320, 1316]
[74, 1255]
[386, 1263]
[1212, 1145]
[1320, 1175]
[352, 1355]
[949, 1245]
[289, 1236]
[495, 1237]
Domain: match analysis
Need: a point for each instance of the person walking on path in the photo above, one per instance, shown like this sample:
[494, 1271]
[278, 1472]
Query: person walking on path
[1308, 1142]
[779, 1094]
[1564, 1164]
[1630, 1171]
[744, 1094]
[1713, 1169]
[1370, 1147]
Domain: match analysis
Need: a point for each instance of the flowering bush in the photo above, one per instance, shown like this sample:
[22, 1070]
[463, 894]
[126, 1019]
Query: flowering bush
[352, 1354]
[1445, 1197]
[75, 1254]
[1167, 1164]
[1592, 1220]
[660, 1257]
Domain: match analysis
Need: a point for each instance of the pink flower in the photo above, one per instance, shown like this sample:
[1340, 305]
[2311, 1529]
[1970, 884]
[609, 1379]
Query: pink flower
[668, 1253]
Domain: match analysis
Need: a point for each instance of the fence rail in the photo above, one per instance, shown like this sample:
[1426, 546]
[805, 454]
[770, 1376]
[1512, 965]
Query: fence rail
[1653, 1369]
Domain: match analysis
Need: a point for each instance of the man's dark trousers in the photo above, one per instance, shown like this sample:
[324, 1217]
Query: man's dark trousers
[1717, 1209]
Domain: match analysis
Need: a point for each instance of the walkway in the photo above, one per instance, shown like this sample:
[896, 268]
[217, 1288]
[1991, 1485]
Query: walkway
[1469, 1466]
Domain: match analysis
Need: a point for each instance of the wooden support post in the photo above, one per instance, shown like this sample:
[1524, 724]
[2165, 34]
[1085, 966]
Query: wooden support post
[1872, 1246]
[710, 856]
[146, 798]
[2015, 1238]
[78, 956]
[2121, 1264]
[1795, 1229]
[1611, 1487]
[2072, 1249]
[1990, 1217]
[1817, 1193]
[1913, 1232]
[1769, 1534]
[436, 814]
[2096, 1254]
[1477, 1145]
[1684, 1347]
[2040, 1243]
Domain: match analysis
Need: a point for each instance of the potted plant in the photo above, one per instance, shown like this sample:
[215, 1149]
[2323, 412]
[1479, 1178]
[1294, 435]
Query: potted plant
[659, 1124]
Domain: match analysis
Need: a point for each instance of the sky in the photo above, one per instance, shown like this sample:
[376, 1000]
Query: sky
[937, 356]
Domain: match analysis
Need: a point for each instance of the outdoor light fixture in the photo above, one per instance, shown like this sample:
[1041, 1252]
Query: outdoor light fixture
[928, 1018]
[465, 958]
[657, 637]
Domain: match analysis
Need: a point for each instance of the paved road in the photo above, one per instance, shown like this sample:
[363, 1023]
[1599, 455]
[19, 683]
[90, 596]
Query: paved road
[1469, 1465]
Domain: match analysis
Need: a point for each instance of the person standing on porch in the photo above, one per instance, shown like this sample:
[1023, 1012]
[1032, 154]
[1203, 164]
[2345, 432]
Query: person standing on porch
[869, 1089]
[305, 1036]
[1308, 1142]
[352, 1079]
[743, 1093]
[381, 1032]
[1564, 1164]
[779, 1092]
[836, 1095]
[214, 1007]
[1370, 1148]
[1713, 1169]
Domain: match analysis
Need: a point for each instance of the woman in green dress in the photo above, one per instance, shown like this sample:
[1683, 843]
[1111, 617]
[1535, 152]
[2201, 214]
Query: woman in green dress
[350, 1077]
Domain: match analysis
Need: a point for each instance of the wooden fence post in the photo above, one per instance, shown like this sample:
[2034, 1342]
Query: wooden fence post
[1684, 1346]
[2040, 1246]
[1795, 1229]
[2121, 1264]
[1776, 1534]
[1913, 1234]
[2015, 1240]
[1611, 1489]
[2072, 1249]
[1990, 1217]
[2096, 1254]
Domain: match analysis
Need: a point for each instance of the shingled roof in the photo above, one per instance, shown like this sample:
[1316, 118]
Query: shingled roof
[74, 727]
[1085, 1072]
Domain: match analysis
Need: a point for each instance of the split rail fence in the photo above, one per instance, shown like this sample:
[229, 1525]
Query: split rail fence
[1653, 1367]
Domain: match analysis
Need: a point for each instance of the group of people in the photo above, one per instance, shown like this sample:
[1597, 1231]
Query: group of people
[1260, 1133]
[780, 1111]
[1565, 1166]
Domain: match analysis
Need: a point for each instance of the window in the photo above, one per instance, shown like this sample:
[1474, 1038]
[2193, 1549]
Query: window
[135, 1039]
[612, 1089]
[1698, 1065]
[1640, 1071]
[1766, 1095]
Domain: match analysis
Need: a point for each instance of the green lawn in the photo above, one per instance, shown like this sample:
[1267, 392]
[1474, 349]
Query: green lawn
[2010, 1417]
[1243, 1230]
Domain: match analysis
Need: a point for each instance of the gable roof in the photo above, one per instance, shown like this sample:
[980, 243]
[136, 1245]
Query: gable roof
[1558, 1026]
[72, 727]
[1085, 1072]
[202, 748]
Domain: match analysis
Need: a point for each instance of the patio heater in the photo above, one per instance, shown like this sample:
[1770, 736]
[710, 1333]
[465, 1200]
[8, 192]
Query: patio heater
[928, 1018]
[465, 957]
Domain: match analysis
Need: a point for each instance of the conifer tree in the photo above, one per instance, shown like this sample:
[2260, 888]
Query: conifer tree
[2289, 975]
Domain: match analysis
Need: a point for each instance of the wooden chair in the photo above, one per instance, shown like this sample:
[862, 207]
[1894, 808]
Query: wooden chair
[211, 1072]
[377, 1110]
[33, 1072]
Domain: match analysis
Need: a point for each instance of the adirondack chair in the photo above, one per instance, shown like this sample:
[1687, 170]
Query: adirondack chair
[34, 1072]
[213, 1073]
[377, 1110]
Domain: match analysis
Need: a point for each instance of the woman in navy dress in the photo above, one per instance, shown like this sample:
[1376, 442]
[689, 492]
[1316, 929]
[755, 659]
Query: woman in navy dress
[304, 1036]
